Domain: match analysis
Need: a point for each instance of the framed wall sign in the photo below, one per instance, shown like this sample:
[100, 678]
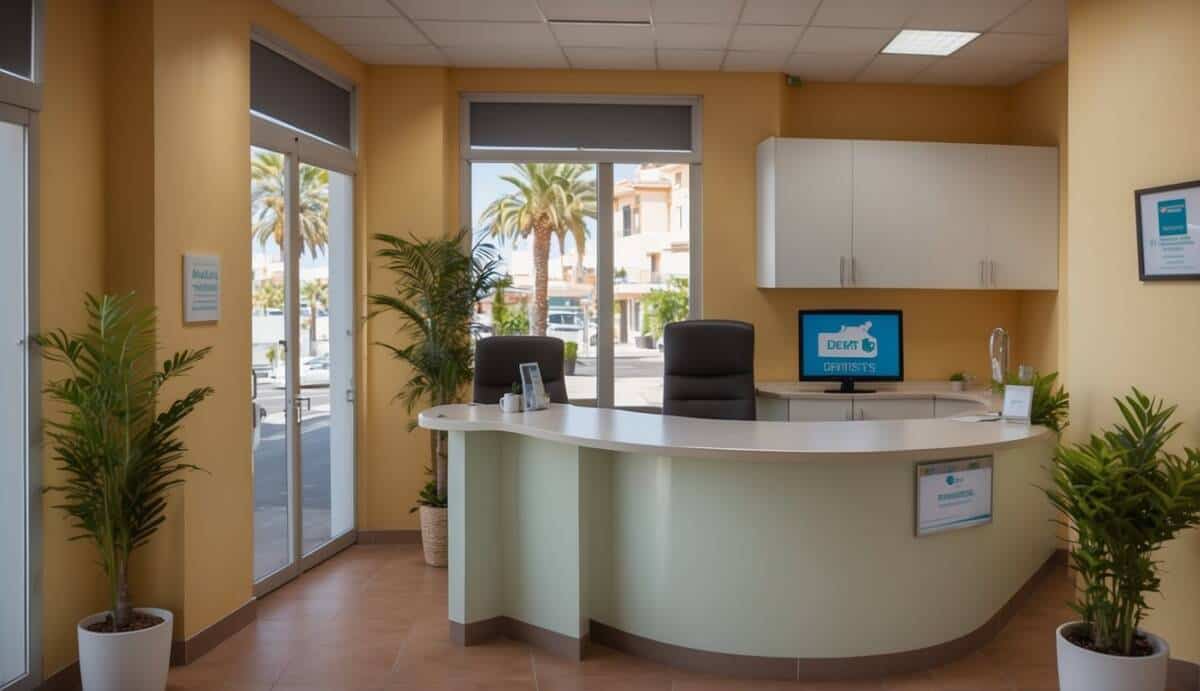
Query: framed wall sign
[953, 494]
[201, 288]
[1168, 232]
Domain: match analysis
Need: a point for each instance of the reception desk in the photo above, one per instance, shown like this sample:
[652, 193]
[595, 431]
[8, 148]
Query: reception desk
[757, 549]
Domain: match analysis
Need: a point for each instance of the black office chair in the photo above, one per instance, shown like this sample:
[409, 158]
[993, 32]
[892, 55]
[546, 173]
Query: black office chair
[498, 360]
[709, 369]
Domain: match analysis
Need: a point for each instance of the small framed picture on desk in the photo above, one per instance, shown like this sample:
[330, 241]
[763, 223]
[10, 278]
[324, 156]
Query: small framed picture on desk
[533, 389]
[1018, 403]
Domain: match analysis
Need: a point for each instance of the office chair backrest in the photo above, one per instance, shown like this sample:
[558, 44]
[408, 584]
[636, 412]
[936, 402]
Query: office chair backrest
[498, 360]
[709, 369]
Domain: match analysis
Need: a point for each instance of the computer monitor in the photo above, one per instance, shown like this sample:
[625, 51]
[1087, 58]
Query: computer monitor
[850, 346]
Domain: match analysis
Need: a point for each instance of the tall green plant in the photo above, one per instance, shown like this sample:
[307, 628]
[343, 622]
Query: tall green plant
[437, 285]
[119, 452]
[1125, 497]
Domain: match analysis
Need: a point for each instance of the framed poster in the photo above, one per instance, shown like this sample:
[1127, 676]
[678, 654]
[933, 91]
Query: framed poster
[201, 288]
[1168, 231]
[953, 495]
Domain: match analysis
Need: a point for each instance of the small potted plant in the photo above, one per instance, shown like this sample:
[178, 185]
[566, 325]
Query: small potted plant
[570, 355]
[438, 284]
[119, 453]
[1125, 497]
[958, 381]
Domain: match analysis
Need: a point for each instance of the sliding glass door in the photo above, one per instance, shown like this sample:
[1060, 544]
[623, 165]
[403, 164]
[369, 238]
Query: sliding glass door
[15, 460]
[302, 353]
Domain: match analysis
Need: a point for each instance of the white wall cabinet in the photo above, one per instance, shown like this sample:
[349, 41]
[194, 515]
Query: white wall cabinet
[884, 214]
[915, 408]
[820, 409]
[838, 408]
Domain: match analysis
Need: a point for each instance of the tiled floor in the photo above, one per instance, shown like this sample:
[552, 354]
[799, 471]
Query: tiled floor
[375, 618]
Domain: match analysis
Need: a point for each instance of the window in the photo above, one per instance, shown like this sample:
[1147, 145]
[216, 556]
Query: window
[16, 38]
[640, 160]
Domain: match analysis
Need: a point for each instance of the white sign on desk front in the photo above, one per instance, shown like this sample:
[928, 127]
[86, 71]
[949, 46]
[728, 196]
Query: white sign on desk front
[953, 494]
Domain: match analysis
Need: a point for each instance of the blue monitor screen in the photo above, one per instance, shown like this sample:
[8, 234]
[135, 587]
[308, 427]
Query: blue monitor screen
[851, 344]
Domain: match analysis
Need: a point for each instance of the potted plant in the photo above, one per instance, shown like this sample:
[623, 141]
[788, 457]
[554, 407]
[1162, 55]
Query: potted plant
[570, 355]
[1125, 496]
[120, 454]
[437, 285]
[958, 381]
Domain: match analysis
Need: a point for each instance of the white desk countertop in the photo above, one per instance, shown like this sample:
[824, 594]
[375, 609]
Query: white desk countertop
[665, 435]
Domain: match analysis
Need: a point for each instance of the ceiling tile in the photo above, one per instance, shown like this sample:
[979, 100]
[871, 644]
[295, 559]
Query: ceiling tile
[692, 36]
[967, 72]
[344, 30]
[794, 12]
[879, 14]
[703, 11]
[522, 56]
[472, 10]
[765, 38]
[604, 35]
[1038, 17]
[962, 15]
[339, 8]
[379, 54]
[754, 60]
[585, 58]
[604, 10]
[826, 67]
[822, 39]
[1013, 47]
[1022, 72]
[512, 34]
[707, 60]
[894, 69]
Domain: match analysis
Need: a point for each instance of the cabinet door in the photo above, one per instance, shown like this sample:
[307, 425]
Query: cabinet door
[1022, 239]
[819, 410]
[951, 407]
[893, 408]
[812, 212]
[918, 215]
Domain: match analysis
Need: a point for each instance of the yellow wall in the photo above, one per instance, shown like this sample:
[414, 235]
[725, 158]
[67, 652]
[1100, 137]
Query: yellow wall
[144, 152]
[71, 232]
[1132, 125]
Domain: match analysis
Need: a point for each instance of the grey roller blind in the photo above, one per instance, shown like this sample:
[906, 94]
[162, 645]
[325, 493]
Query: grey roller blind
[286, 91]
[628, 127]
[16, 37]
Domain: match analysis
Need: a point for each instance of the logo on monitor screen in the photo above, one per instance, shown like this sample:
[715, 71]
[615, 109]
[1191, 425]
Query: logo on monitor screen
[848, 342]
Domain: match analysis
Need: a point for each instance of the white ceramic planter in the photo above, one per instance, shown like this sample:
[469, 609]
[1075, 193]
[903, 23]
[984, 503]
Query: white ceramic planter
[1080, 669]
[129, 661]
[958, 386]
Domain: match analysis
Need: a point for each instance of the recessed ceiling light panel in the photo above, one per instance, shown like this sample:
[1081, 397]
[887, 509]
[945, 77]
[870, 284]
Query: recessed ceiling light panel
[922, 42]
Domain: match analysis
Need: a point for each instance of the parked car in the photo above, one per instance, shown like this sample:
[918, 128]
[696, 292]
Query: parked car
[566, 324]
[315, 371]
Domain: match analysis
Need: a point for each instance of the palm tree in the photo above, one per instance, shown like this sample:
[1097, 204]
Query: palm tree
[268, 295]
[268, 186]
[551, 200]
[316, 294]
[438, 282]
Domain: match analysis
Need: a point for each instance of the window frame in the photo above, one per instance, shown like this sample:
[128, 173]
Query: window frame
[20, 104]
[603, 159]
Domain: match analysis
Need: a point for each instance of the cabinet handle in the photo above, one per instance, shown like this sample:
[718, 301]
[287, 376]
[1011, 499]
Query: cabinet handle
[842, 271]
[992, 273]
[982, 280]
[853, 271]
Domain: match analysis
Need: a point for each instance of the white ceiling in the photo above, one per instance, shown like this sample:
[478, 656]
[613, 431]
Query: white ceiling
[817, 40]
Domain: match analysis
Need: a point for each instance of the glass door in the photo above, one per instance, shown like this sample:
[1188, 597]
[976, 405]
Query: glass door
[15, 528]
[303, 363]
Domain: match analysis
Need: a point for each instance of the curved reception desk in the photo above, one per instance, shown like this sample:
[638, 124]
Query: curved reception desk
[776, 550]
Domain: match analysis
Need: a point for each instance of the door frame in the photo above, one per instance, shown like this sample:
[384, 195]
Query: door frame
[299, 148]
